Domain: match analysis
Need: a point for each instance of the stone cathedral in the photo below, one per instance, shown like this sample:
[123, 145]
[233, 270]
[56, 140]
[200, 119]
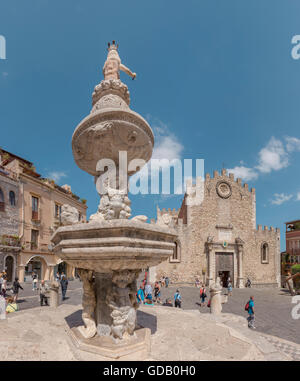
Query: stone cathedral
[219, 237]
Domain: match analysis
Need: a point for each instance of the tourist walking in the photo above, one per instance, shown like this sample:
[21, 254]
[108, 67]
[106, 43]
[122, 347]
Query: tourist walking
[34, 281]
[1, 280]
[177, 299]
[64, 285]
[250, 309]
[167, 281]
[4, 285]
[2, 306]
[229, 288]
[157, 292]
[203, 295]
[16, 287]
[57, 277]
[140, 295]
[148, 291]
[43, 290]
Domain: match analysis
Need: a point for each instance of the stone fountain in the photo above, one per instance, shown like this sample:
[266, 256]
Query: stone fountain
[111, 250]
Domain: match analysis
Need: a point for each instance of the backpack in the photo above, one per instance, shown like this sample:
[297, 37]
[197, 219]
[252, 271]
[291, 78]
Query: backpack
[247, 306]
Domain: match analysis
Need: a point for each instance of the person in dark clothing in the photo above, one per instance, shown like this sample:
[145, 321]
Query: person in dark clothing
[64, 285]
[43, 289]
[16, 287]
[168, 303]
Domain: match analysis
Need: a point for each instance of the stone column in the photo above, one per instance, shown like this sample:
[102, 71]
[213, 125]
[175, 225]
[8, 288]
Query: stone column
[51, 272]
[116, 304]
[240, 279]
[211, 277]
[215, 298]
[21, 273]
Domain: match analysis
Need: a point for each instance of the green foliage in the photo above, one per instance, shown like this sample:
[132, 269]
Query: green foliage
[297, 225]
[295, 269]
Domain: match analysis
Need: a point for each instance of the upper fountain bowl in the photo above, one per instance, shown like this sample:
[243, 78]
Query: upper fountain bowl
[111, 127]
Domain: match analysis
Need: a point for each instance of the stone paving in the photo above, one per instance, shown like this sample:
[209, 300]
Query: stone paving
[273, 311]
[273, 308]
[41, 333]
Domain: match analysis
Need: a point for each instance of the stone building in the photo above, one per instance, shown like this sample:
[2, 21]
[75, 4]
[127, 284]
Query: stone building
[219, 237]
[36, 216]
[292, 239]
[9, 223]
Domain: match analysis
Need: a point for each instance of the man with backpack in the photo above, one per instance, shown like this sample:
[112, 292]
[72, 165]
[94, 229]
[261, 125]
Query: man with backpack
[177, 299]
[249, 307]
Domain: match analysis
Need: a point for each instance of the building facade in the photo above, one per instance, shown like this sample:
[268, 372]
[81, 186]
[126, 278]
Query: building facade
[219, 237]
[292, 239]
[39, 203]
[9, 223]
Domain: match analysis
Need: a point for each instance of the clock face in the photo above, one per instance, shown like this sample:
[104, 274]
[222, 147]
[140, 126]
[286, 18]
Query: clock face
[223, 189]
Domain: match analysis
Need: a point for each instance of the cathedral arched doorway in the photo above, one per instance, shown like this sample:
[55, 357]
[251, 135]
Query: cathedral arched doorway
[9, 268]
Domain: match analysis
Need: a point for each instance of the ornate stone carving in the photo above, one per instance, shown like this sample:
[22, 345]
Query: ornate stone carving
[88, 304]
[223, 189]
[113, 205]
[123, 303]
[69, 215]
[113, 65]
[140, 218]
[111, 87]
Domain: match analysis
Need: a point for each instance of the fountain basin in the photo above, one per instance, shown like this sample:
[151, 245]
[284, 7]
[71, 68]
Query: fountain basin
[114, 245]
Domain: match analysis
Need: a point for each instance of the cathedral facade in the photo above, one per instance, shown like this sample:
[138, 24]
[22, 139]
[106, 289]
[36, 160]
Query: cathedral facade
[219, 237]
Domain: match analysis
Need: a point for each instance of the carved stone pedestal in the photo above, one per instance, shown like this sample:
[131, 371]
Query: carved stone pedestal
[135, 348]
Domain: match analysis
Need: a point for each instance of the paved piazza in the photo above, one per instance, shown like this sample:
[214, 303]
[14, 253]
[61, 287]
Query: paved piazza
[273, 306]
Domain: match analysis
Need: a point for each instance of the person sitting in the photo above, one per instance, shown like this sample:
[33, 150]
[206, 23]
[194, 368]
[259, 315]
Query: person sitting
[11, 305]
[168, 303]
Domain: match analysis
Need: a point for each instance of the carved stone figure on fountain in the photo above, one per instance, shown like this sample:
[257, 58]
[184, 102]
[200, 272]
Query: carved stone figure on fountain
[88, 303]
[113, 64]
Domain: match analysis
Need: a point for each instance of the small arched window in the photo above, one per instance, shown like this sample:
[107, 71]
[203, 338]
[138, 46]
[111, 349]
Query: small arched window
[265, 253]
[12, 198]
[176, 253]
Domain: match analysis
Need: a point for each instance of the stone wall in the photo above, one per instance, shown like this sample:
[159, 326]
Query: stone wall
[9, 222]
[9, 219]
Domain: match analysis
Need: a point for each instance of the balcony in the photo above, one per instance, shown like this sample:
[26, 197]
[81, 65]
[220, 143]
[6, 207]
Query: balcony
[10, 240]
[36, 215]
[294, 251]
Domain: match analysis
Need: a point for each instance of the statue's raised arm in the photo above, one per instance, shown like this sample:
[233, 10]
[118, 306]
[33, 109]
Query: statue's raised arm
[113, 65]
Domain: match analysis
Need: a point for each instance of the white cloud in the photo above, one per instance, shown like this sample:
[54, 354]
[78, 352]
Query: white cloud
[298, 196]
[245, 173]
[56, 175]
[167, 147]
[292, 144]
[272, 157]
[280, 198]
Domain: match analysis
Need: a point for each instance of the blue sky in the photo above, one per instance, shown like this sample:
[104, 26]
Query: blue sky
[215, 79]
